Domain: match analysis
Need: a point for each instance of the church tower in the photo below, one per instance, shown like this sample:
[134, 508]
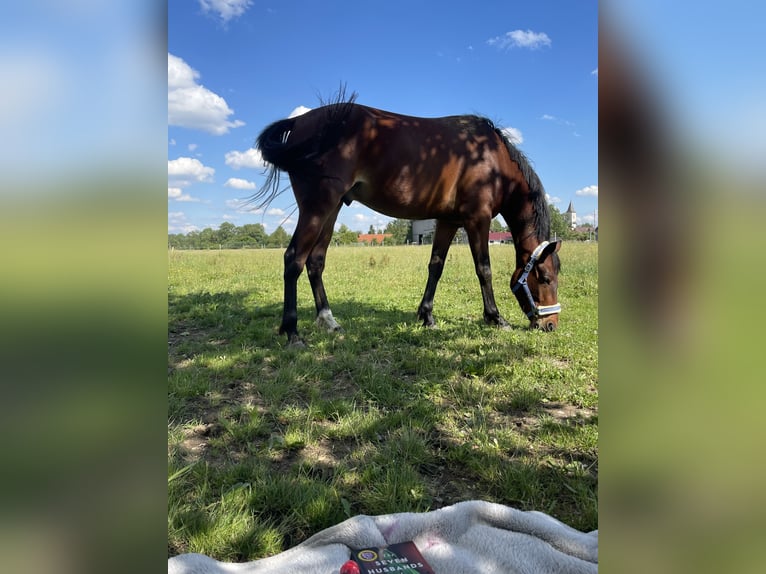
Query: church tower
[570, 216]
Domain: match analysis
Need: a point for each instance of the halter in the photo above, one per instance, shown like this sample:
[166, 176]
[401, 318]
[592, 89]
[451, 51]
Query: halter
[537, 310]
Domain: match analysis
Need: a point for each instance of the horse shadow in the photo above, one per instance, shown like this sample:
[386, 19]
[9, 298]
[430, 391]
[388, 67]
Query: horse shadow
[233, 383]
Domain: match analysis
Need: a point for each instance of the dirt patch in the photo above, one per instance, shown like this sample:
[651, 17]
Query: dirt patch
[565, 413]
[195, 442]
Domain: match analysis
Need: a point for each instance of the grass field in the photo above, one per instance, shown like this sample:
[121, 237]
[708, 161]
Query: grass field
[268, 445]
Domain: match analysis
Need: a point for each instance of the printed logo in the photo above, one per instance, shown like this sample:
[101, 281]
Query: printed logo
[367, 555]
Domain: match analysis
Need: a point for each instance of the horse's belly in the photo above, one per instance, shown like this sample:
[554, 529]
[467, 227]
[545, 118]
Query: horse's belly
[404, 198]
[402, 203]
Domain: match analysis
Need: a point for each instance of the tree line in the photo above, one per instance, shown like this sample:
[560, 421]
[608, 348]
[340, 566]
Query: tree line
[254, 236]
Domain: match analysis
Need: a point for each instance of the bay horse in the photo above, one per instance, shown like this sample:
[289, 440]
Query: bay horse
[461, 171]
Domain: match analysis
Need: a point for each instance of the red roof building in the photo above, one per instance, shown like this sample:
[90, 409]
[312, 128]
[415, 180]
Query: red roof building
[500, 237]
[373, 238]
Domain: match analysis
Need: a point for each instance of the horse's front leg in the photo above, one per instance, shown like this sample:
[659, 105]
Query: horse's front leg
[478, 237]
[315, 268]
[442, 239]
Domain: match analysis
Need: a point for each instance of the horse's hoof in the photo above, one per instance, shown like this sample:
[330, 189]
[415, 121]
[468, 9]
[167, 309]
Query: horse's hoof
[295, 342]
[498, 322]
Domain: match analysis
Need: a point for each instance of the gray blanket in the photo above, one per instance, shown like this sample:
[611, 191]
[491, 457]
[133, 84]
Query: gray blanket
[467, 538]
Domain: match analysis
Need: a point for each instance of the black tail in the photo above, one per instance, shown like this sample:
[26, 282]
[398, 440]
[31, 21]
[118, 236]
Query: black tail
[272, 143]
[285, 153]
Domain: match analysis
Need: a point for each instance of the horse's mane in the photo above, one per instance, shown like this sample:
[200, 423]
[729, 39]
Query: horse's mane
[542, 218]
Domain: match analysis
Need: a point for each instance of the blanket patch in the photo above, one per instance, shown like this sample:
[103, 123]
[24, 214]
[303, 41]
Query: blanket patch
[402, 558]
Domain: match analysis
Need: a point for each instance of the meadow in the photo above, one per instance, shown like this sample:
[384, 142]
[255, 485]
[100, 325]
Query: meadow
[268, 444]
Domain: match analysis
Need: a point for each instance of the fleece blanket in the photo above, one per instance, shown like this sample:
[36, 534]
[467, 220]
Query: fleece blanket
[467, 538]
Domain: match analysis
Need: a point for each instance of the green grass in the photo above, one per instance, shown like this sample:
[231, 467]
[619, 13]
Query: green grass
[268, 444]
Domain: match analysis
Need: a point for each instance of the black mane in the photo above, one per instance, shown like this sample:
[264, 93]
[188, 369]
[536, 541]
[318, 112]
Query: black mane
[542, 219]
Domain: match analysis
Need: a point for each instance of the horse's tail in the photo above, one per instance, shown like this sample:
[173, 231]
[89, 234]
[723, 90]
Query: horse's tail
[272, 143]
[285, 153]
[275, 151]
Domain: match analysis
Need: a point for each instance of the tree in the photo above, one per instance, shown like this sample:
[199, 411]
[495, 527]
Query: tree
[344, 236]
[401, 231]
[226, 231]
[495, 225]
[372, 230]
[559, 227]
[253, 234]
[279, 238]
[207, 239]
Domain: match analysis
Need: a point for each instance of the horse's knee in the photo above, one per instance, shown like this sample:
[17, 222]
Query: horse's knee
[293, 269]
[315, 266]
[436, 266]
[484, 273]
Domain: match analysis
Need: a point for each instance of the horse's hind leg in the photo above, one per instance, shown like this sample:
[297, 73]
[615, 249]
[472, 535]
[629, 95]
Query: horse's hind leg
[315, 268]
[307, 232]
[442, 239]
[478, 238]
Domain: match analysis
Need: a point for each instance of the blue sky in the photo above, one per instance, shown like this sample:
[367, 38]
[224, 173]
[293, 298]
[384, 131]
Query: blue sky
[235, 66]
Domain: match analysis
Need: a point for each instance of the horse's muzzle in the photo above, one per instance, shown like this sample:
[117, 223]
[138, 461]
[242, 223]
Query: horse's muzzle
[547, 324]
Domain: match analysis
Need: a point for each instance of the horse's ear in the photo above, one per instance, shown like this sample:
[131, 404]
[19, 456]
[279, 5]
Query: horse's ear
[552, 247]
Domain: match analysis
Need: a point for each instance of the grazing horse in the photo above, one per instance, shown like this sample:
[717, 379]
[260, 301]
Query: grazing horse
[460, 170]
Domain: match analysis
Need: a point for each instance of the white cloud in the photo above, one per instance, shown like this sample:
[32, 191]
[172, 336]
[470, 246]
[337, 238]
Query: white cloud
[184, 171]
[237, 183]
[590, 191]
[514, 135]
[366, 218]
[177, 223]
[191, 105]
[595, 72]
[288, 224]
[192, 146]
[563, 122]
[520, 39]
[552, 198]
[177, 194]
[251, 158]
[299, 111]
[226, 9]
[276, 211]
[242, 206]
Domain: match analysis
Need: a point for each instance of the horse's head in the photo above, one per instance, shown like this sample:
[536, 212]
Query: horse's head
[535, 284]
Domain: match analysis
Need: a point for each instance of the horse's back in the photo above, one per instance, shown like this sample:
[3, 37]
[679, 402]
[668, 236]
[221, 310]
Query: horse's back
[403, 166]
[414, 167]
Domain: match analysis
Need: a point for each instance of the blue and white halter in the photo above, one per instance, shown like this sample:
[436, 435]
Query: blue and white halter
[521, 282]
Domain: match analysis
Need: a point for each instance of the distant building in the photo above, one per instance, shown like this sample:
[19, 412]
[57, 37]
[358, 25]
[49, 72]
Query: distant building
[570, 217]
[373, 238]
[500, 237]
[423, 231]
